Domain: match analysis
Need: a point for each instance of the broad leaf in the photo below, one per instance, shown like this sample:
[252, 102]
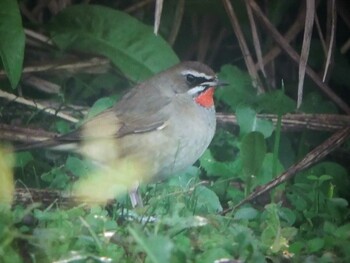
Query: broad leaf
[100, 105]
[253, 150]
[207, 200]
[266, 172]
[245, 213]
[276, 102]
[127, 42]
[216, 168]
[11, 40]
[249, 122]
[239, 90]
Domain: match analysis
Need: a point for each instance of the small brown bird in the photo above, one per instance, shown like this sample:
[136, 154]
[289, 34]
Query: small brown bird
[163, 125]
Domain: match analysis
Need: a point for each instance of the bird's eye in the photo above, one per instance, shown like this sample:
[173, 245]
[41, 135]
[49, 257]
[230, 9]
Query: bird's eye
[190, 78]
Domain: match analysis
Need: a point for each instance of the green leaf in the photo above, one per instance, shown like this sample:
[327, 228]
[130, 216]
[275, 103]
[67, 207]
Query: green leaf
[312, 177]
[266, 171]
[252, 151]
[100, 105]
[56, 177]
[157, 247]
[7, 186]
[248, 122]
[12, 40]
[245, 213]
[127, 42]
[185, 178]
[325, 177]
[343, 232]
[239, 90]
[214, 167]
[22, 159]
[276, 102]
[317, 103]
[289, 232]
[340, 202]
[79, 167]
[340, 178]
[62, 126]
[273, 235]
[207, 200]
[315, 244]
[288, 215]
[213, 255]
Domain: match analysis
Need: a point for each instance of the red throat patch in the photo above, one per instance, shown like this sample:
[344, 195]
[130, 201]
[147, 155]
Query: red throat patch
[205, 99]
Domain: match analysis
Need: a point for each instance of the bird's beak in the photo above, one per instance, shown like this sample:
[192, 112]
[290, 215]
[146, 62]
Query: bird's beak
[215, 83]
[221, 83]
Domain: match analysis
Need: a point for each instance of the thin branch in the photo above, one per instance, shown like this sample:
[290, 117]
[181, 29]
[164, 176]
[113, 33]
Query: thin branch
[205, 38]
[289, 123]
[75, 66]
[243, 45]
[296, 58]
[138, 5]
[320, 34]
[345, 47]
[180, 8]
[46, 197]
[11, 133]
[309, 23]
[157, 16]
[39, 37]
[332, 21]
[216, 46]
[298, 122]
[291, 34]
[38, 106]
[42, 84]
[256, 40]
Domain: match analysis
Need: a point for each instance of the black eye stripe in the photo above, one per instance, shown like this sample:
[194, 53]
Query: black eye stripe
[195, 80]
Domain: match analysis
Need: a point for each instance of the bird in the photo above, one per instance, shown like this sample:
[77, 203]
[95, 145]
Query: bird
[163, 124]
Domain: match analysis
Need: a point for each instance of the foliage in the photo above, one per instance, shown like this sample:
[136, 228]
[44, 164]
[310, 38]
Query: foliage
[189, 217]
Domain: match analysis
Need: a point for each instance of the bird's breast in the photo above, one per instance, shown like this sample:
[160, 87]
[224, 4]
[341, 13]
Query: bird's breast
[175, 145]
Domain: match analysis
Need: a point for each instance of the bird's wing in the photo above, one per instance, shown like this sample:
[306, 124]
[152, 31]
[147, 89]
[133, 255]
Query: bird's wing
[138, 113]
[135, 113]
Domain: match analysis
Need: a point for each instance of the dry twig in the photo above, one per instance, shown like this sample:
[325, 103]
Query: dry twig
[296, 58]
[243, 45]
[38, 106]
[309, 23]
[298, 122]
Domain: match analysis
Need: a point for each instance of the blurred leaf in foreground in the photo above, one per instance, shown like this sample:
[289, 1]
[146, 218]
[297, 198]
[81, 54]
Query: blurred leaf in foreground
[7, 186]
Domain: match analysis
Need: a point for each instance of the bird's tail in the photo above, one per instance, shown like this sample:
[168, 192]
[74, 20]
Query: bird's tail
[23, 139]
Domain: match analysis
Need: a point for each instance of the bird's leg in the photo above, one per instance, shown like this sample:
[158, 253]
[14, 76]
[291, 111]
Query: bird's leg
[135, 197]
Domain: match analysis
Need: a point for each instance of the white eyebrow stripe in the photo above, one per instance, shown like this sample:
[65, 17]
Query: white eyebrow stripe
[197, 74]
[195, 90]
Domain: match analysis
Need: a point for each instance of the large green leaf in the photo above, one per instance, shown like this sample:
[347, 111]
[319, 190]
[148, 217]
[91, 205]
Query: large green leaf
[248, 122]
[11, 40]
[128, 43]
[215, 168]
[207, 200]
[267, 173]
[253, 150]
[275, 102]
[239, 90]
